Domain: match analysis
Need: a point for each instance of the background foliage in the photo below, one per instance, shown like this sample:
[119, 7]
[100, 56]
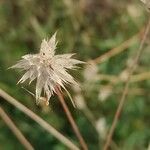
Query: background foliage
[89, 28]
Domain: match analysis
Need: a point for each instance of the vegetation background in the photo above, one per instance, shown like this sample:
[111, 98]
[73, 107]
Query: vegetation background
[90, 28]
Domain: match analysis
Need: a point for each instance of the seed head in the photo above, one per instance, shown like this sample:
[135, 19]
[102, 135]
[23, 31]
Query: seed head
[147, 4]
[49, 70]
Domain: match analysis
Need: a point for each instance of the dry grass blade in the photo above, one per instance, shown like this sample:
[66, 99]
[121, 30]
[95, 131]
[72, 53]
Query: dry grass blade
[15, 130]
[39, 120]
[126, 88]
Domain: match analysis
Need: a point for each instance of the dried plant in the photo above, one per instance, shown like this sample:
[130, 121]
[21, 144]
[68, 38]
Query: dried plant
[49, 69]
[50, 129]
[132, 68]
[147, 3]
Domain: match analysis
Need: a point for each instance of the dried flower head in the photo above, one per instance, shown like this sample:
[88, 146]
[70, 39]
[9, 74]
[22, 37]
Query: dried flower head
[147, 3]
[49, 69]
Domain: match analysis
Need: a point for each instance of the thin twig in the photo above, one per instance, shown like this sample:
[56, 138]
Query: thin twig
[141, 77]
[115, 79]
[118, 49]
[39, 120]
[71, 120]
[15, 130]
[126, 88]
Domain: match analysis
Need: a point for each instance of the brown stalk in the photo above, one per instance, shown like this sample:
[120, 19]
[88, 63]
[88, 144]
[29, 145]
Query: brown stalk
[71, 120]
[126, 89]
[39, 120]
[15, 130]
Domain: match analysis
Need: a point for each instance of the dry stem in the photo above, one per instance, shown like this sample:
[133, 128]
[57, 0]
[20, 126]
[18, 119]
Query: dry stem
[71, 120]
[118, 49]
[39, 120]
[135, 78]
[126, 88]
[15, 130]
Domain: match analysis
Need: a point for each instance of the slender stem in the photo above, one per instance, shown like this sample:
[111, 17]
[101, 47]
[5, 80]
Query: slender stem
[15, 130]
[39, 120]
[126, 89]
[122, 47]
[135, 78]
[71, 120]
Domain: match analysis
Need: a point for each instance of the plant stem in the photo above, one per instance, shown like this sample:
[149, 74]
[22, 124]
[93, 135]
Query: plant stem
[122, 47]
[39, 120]
[126, 89]
[15, 130]
[71, 120]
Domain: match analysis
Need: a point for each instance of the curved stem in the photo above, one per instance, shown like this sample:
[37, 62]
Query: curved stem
[15, 130]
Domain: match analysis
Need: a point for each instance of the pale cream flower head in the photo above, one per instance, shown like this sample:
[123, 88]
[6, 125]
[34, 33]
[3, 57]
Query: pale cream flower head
[147, 4]
[49, 69]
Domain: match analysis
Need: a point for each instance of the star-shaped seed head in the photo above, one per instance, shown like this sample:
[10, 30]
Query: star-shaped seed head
[49, 70]
[147, 4]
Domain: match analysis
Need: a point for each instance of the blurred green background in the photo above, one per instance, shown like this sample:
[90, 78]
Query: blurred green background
[89, 28]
